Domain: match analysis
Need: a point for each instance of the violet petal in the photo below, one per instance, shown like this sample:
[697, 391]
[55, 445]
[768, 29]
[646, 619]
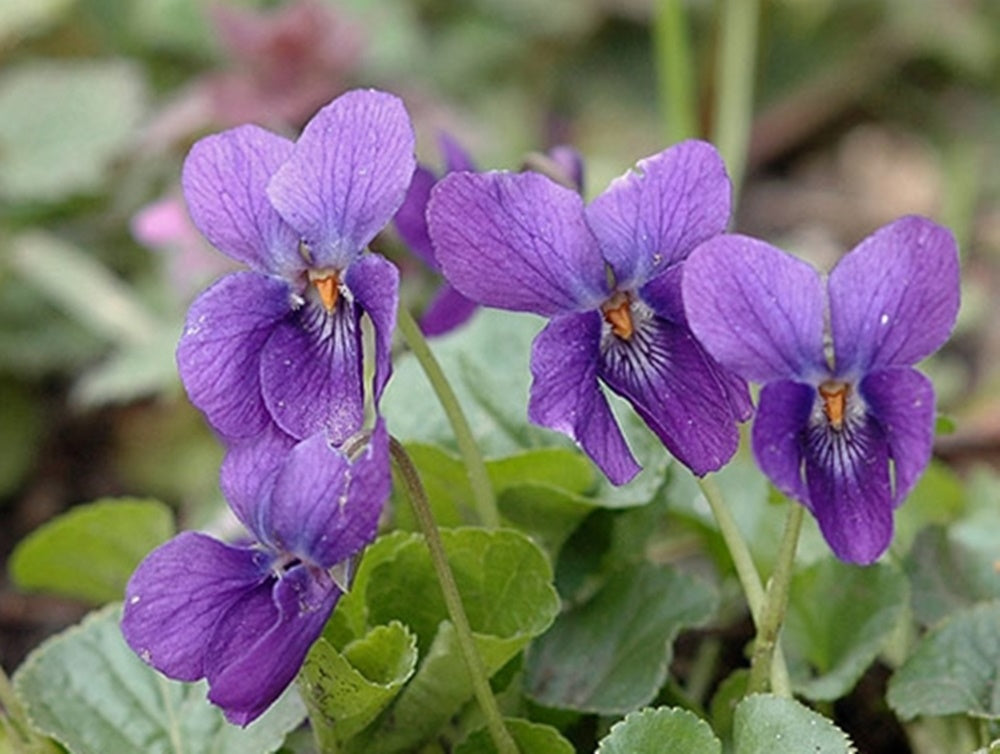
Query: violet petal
[446, 311]
[847, 474]
[894, 298]
[220, 348]
[779, 428]
[674, 386]
[347, 175]
[756, 309]
[566, 396]
[654, 216]
[179, 593]
[225, 178]
[248, 473]
[516, 241]
[374, 282]
[411, 218]
[901, 400]
[311, 375]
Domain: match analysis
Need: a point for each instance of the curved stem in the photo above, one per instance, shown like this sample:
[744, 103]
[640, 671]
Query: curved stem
[453, 600]
[747, 574]
[475, 466]
[775, 605]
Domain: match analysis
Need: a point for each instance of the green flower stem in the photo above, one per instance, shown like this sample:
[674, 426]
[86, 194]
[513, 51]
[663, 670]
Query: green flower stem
[747, 574]
[453, 600]
[734, 85]
[475, 466]
[775, 604]
[14, 722]
[674, 70]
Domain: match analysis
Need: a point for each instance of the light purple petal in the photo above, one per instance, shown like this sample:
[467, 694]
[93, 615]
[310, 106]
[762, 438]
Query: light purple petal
[248, 472]
[779, 428]
[675, 387]
[374, 282]
[847, 474]
[901, 400]
[756, 309]
[225, 178]
[566, 396]
[263, 647]
[411, 218]
[347, 175]
[516, 241]
[654, 216]
[894, 298]
[311, 372]
[179, 594]
[446, 311]
[455, 157]
[570, 164]
[219, 352]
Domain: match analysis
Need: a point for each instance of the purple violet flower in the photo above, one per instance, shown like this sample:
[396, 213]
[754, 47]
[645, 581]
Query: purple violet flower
[244, 616]
[845, 431]
[609, 277]
[280, 344]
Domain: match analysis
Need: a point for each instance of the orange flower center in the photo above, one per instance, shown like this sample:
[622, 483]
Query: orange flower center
[834, 395]
[618, 313]
[327, 284]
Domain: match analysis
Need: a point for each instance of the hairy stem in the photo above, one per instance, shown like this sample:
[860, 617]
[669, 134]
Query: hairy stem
[475, 466]
[775, 605]
[453, 600]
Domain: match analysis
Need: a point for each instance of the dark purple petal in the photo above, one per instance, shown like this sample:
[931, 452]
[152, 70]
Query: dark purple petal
[260, 647]
[894, 298]
[847, 475]
[411, 218]
[248, 473]
[566, 396]
[325, 509]
[654, 216]
[225, 178]
[178, 595]
[779, 429]
[756, 309]
[374, 282]
[446, 311]
[901, 400]
[311, 372]
[675, 387]
[516, 241]
[219, 352]
[455, 157]
[347, 175]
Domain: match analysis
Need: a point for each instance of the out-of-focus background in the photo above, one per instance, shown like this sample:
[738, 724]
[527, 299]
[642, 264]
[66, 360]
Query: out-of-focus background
[864, 110]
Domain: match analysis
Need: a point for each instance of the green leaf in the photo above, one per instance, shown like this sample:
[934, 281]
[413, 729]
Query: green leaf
[625, 632]
[487, 363]
[21, 18]
[506, 587]
[839, 617]
[660, 730]
[535, 738]
[62, 123]
[20, 434]
[955, 668]
[89, 691]
[938, 498]
[345, 691]
[90, 551]
[547, 514]
[766, 724]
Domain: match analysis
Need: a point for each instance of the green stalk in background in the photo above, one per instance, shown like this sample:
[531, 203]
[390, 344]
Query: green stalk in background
[672, 47]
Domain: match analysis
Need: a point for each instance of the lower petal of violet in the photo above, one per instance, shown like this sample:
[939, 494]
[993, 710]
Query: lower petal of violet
[847, 473]
[219, 351]
[902, 402]
[779, 428]
[178, 595]
[675, 386]
[311, 375]
[262, 643]
[566, 396]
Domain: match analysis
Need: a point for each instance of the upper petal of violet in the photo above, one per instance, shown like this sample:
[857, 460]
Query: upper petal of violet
[347, 175]
[894, 298]
[411, 217]
[655, 215]
[756, 309]
[516, 241]
[225, 178]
